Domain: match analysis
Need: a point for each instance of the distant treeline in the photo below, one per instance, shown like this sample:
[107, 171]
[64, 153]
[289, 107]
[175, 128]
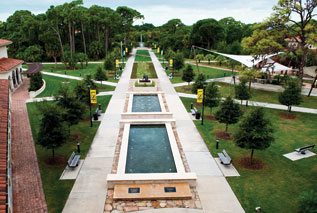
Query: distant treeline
[73, 33]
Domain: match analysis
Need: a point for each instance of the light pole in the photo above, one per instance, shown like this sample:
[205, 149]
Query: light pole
[115, 68]
[89, 105]
[204, 91]
[173, 66]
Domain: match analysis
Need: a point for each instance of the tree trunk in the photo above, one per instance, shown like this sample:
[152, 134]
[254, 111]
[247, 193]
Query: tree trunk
[70, 40]
[55, 61]
[289, 108]
[252, 151]
[250, 84]
[226, 128]
[107, 40]
[53, 152]
[246, 104]
[83, 36]
[312, 86]
[73, 34]
[234, 78]
[241, 101]
[60, 40]
[98, 33]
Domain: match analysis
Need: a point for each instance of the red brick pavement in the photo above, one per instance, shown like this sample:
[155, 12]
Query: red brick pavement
[28, 194]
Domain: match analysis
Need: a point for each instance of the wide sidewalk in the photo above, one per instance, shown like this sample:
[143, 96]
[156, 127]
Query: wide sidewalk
[261, 104]
[213, 189]
[90, 189]
[259, 86]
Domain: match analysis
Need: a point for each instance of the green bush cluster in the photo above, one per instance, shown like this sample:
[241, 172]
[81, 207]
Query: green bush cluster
[36, 82]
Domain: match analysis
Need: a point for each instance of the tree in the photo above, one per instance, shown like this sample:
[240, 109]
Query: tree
[295, 19]
[100, 75]
[212, 96]
[250, 74]
[53, 50]
[242, 92]
[109, 63]
[308, 201]
[82, 58]
[199, 83]
[188, 74]
[254, 131]
[179, 61]
[74, 109]
[36, 81]
[209, 57]
[291, 94]
[53, 130]
[206, 32]
[33, 53]
[200, 57]
[229, 112]
[82, 93]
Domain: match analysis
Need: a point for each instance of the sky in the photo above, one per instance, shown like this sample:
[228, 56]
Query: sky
[159, 12]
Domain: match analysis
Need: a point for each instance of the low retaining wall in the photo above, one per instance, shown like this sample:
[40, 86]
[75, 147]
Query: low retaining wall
[33, 94]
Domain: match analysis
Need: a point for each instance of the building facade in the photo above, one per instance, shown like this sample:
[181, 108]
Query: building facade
[10, 69]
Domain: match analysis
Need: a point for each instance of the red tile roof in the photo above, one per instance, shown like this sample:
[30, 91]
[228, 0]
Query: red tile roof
[4, 110]
[8, 63]
[4, 42]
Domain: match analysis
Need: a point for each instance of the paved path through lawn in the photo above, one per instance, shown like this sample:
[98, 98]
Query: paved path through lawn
[266, 87]
[261, 104]
[213, 189]
[90, 189]
[28, 194]
[78, 78]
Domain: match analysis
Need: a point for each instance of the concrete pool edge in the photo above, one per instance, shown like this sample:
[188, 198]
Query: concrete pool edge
[122, 177]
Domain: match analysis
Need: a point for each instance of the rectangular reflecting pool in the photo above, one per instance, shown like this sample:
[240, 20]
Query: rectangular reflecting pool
[149, 150]
[146, 103]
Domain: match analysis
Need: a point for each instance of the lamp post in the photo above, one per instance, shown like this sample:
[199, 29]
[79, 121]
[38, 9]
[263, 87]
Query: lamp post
[115, 68]
[202, 114]
[173, 66]
[89, 104]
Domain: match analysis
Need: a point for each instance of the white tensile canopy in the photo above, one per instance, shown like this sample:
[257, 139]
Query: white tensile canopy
[274, 66]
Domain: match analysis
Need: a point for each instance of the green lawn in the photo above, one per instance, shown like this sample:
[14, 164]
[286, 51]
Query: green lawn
[56, 191]
[257, 95]
[141, 68]
[276, 187]
[91, 69]
[142, 55]
[53, 83]
[207, 71]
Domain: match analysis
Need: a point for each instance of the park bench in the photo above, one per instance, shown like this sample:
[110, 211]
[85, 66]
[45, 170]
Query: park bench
[224, 158]
[73, 160]
[194, 111]
[303, 150]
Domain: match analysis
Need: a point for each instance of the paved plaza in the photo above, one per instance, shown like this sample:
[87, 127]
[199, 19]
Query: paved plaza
[90, 189]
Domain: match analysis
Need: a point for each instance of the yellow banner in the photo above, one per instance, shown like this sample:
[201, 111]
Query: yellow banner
[117, 62]
[171, 62]
[200, 95]
[158, 50]
[93, 97]
[126, 50]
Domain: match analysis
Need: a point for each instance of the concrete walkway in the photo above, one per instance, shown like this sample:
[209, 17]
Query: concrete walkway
[90, 189]
[214, 191]
[266, 87]
[78, 78]
[28, 194]
[261, 104]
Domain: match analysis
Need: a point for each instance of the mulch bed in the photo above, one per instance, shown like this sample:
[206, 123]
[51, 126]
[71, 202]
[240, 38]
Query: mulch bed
[59, 160]
[245, 162]
[75, 137]
[287, 115]
[209, 117]
[223, 135]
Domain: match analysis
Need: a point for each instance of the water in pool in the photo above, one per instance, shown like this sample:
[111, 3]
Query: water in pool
[149, 150]
[146, 103]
